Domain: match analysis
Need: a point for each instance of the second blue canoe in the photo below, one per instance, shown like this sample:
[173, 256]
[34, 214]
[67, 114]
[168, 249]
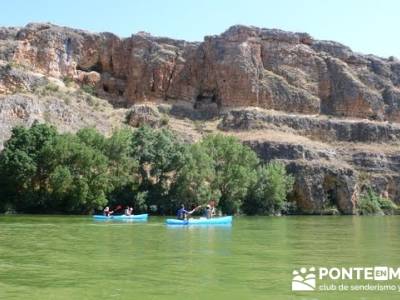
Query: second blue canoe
[141, 217]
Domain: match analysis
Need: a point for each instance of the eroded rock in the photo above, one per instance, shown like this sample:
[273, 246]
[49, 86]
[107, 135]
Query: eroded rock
[244, 66]
[324, 129]
[142, 114]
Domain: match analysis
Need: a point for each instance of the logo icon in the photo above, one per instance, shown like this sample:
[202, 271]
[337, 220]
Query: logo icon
[381, 273]
[304, 280]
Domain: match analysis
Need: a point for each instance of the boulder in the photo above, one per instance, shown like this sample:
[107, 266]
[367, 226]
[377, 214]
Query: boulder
[142, 114]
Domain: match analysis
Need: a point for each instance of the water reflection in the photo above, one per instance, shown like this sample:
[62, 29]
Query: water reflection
[119, 221]
[197, 226]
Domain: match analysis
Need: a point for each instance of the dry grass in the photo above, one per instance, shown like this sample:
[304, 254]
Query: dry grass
[276, 136]
[188, 128]
[388, 148]
[312, 116]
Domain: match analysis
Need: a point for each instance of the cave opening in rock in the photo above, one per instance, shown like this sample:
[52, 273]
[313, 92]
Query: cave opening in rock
[206, 98]
[330, 191]
[200, 98]
[331, 197]
[96, 68]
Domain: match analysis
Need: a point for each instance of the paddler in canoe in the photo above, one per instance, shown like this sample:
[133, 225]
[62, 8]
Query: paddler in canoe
[107, 212]
[210, 210]
[182, 213]
[128, 211]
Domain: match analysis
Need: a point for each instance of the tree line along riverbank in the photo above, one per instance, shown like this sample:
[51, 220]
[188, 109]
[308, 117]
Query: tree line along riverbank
[43, 171]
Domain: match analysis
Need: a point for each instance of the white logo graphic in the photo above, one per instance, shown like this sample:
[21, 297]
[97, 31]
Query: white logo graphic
[381, 273]
[304, 280]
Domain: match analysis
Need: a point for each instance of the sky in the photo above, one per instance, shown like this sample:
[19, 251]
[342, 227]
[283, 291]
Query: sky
[367, 26]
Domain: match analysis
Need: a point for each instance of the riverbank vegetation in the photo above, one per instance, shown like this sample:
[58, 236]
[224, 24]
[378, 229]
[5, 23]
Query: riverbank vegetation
[43, 171]
[373, 204]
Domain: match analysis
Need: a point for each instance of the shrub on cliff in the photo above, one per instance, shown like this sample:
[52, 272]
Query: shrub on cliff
[46, 89]
[268, 193]
[91, 90]
[372, 204]
[68, 81]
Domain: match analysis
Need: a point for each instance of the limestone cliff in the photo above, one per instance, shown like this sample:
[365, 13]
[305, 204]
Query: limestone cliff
[329, 113]
[244, 66]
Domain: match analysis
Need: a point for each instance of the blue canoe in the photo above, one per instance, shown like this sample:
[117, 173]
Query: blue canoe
[142, 217]
[201, 221]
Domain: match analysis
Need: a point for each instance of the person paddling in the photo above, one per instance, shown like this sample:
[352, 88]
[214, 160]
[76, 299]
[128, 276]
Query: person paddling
[213, 210]
[182, 213]
[207, 212]
[210, 210]
[107, 212]
[127, 211]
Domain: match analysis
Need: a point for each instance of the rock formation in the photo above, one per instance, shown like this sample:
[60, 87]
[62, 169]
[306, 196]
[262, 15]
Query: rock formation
[244, 66]
[329, 113]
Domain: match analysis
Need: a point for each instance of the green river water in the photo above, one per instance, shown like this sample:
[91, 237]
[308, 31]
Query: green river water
[68, 257]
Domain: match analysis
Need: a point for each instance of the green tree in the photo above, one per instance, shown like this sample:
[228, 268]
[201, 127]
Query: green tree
[159, 155]
[123, 170]
[78, 179]
[268, 193]
[92, 138]
[42, 171]
[23, 175]
[193, 185]
[234, 166]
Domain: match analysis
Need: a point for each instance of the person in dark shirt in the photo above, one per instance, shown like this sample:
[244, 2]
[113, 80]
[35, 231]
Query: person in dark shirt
[182, 213]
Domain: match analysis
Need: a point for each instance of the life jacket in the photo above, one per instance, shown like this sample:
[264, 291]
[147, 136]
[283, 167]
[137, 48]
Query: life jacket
[181, 215]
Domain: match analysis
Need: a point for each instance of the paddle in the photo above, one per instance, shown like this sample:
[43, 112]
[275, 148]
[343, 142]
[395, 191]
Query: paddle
[119, 207]
[194, 209]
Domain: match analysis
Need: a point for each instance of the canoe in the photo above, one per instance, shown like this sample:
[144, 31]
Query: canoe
[141, 217]
[201, 221]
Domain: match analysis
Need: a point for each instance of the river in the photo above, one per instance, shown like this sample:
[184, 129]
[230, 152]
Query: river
[73, 257]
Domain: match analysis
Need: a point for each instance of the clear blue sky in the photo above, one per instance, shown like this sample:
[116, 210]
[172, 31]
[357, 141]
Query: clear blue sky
[366, 26]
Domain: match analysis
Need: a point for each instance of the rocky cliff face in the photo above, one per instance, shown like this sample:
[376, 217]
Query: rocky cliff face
[244, 66]
[330, 114]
